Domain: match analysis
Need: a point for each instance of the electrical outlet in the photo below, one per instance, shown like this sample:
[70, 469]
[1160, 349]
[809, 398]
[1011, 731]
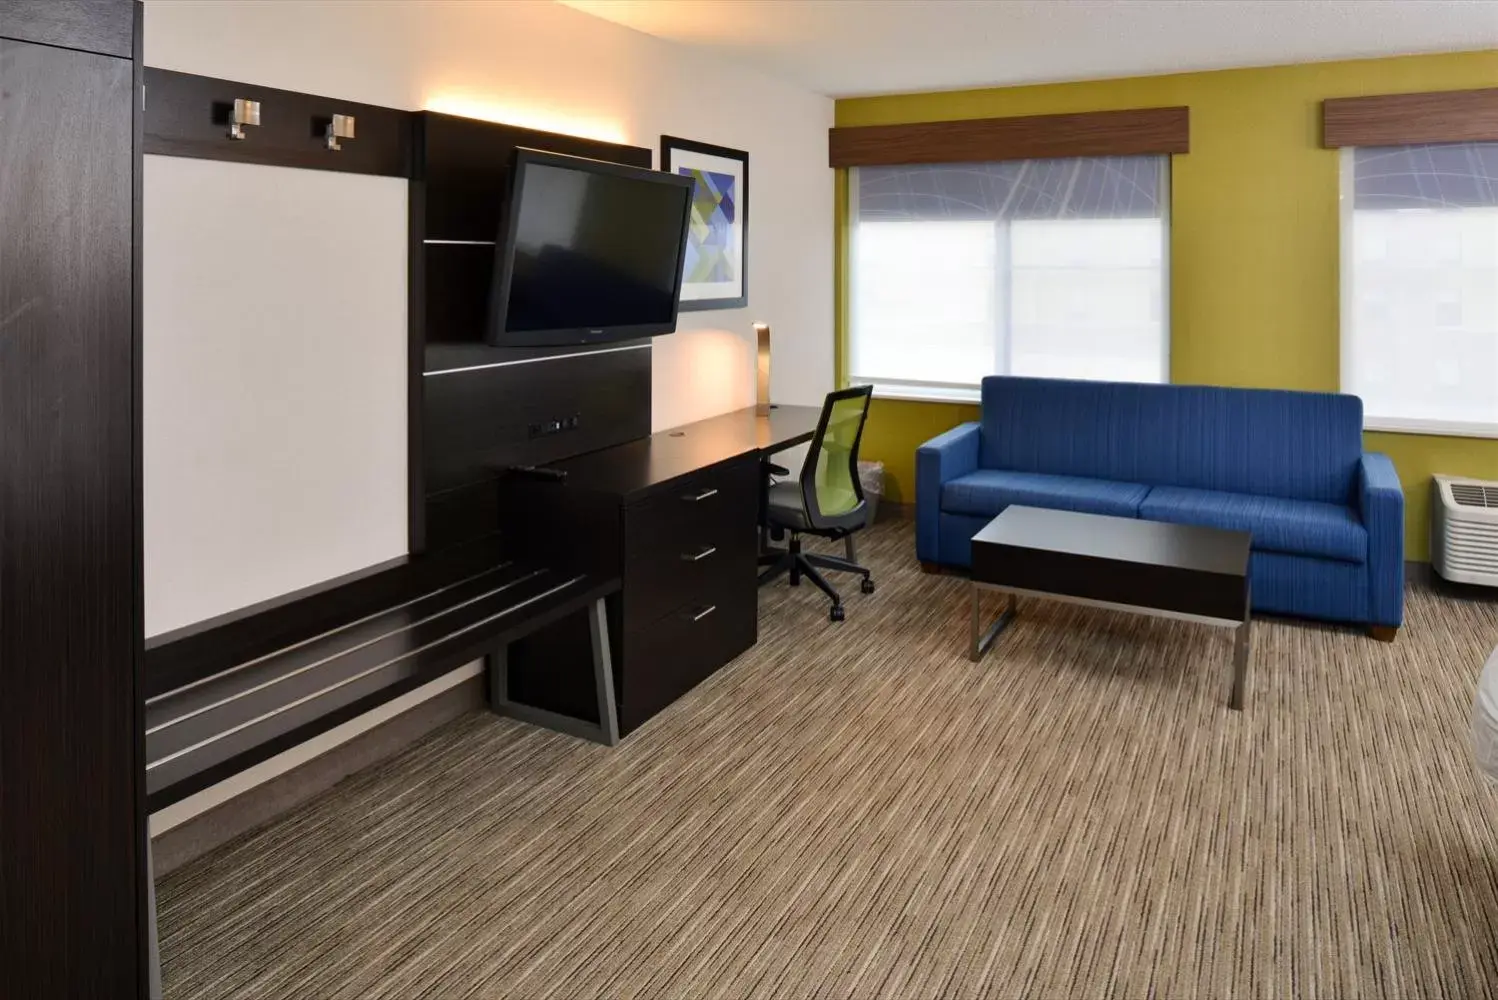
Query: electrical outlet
[555, 425]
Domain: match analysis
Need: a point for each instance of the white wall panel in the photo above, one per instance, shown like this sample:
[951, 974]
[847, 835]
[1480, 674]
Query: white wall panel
[274, 381]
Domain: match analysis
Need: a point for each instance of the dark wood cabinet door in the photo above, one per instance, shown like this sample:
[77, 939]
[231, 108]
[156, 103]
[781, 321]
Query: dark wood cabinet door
[70, 820]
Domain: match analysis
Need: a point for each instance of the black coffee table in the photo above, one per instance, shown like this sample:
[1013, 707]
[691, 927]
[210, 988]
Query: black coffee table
[1168, 570]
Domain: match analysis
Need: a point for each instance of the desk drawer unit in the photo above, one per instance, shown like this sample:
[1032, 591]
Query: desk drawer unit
[680, 544]
[690, 599]
[691, 509]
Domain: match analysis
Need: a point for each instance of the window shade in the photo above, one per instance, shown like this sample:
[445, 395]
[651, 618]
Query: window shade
[1420, 286]
[1087, 188]
[1051, 268]
[1454, 175]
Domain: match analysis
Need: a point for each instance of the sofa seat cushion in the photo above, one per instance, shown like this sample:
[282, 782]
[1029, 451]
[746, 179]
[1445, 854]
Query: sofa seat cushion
[988, 491]
[1296, 527]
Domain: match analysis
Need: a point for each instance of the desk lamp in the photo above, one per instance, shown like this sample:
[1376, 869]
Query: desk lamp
[762, 370]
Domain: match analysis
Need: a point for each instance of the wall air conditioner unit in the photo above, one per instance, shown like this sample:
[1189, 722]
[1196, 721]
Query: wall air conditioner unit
[1464, 530]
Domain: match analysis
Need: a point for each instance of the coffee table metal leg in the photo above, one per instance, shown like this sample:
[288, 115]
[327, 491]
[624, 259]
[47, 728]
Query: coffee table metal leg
[973, 652]
[981, 640]
[1240, 666]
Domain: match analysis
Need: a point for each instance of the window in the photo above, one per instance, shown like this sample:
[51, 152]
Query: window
[1420, 286]
[1027, 267]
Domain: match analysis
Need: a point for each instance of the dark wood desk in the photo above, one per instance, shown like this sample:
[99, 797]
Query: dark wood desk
[641, 468]
[675, 517]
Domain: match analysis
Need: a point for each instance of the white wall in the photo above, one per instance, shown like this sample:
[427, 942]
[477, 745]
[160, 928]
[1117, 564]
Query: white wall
[274, 376]
[528, 62]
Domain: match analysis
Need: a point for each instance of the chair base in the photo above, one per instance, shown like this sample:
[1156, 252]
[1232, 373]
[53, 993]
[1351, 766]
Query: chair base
[798, 563]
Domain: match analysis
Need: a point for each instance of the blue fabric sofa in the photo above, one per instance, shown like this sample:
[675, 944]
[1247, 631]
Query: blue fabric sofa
[1327, 519]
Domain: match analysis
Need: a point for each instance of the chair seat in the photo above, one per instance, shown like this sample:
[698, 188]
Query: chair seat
[1278, 524]
[786, 507]
[987, 492]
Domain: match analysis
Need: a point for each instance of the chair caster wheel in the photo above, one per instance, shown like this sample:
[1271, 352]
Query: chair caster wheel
[867, 586]
[836, 614]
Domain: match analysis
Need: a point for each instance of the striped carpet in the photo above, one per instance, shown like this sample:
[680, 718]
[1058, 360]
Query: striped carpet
[856, 810]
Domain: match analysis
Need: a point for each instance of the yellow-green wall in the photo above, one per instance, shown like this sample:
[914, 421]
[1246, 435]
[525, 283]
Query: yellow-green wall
[1254, 230]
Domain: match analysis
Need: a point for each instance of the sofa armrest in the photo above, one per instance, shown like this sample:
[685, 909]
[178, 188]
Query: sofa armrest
[1381, 506]
[943, 458]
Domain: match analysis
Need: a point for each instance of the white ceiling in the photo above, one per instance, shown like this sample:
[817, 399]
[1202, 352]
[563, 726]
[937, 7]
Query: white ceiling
[850, 47]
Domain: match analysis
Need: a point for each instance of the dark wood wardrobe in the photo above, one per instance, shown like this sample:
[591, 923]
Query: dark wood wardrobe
[72, 824]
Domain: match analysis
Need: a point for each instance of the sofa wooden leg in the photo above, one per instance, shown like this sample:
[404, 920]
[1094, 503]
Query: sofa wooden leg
[1383, 633]
[930, 567]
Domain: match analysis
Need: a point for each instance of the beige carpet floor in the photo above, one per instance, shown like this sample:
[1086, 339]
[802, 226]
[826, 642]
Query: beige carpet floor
[856, 810]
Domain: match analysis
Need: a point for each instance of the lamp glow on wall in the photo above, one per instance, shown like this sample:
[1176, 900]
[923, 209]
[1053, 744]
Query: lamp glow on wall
[762, 369]
[524, 116]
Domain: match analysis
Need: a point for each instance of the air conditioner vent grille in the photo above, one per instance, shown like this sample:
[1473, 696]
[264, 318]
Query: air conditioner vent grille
[1464, 530]
[1474, 495]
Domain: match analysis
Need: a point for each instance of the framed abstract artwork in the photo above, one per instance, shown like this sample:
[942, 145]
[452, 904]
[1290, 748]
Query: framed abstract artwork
[716, 268]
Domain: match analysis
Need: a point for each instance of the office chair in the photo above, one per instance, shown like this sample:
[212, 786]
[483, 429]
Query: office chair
[825, 500]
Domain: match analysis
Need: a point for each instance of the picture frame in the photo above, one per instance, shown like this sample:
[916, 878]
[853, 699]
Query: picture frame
[716, 265]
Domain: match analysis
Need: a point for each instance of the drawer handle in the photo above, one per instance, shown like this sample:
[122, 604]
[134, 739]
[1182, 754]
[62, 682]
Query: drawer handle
[707, 550]
[704, 612]
[701, 496]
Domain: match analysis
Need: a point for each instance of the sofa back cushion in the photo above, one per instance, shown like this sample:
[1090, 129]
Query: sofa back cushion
[1270, 442]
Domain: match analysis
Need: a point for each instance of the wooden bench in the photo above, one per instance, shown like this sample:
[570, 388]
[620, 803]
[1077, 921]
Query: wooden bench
[232, 692]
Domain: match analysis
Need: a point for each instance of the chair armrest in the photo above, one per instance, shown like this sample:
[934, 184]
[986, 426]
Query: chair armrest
[776, 470]
[943, 458]
[1381, 506]
[1379, 490]
[949, 455]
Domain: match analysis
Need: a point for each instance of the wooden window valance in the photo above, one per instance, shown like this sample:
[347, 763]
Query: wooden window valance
[1410, 119]
[1135, 132]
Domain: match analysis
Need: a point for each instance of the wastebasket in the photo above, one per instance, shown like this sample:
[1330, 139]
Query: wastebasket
[871, 477]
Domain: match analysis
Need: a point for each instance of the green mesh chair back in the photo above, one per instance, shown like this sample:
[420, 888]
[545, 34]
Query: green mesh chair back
[829, 478]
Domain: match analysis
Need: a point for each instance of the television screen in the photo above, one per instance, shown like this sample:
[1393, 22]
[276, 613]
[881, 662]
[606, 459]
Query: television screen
[592, 251]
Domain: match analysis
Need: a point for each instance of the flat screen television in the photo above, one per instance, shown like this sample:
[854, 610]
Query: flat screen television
[590, 252]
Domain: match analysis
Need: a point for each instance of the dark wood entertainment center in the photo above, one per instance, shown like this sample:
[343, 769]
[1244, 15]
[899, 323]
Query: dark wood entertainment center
[474, 412]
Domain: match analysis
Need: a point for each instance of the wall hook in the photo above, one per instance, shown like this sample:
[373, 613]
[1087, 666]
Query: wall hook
[341, 127]
[245, 113]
